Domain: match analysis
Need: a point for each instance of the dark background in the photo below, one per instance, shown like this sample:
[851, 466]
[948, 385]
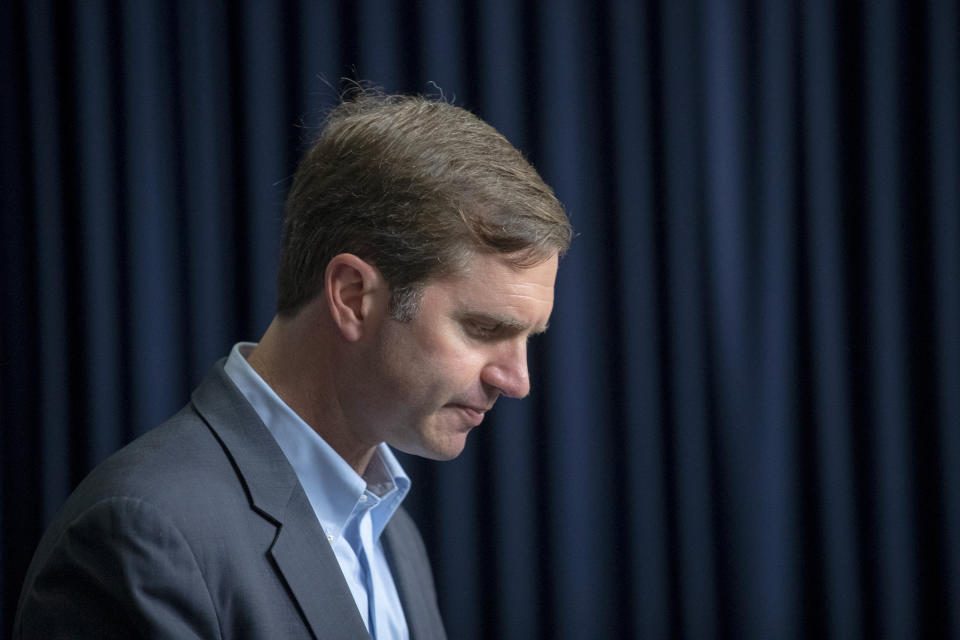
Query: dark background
[745, 420]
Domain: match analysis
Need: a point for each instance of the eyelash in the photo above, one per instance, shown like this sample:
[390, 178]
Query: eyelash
[480, 331]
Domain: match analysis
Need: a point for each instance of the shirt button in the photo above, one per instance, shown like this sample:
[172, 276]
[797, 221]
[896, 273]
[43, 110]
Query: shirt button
[363, 497]
[330, 537]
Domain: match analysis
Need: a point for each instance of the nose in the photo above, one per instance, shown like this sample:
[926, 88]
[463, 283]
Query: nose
[507, 370]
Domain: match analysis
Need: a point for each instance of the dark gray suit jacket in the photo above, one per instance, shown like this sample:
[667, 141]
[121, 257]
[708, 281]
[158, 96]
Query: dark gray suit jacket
[200, 529]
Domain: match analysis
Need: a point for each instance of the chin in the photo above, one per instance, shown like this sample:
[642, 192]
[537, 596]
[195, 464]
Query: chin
[440, 449]
[443, 455]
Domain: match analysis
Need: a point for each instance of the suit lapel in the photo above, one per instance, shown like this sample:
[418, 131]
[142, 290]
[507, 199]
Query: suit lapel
[310, 569]
[411, 574]
[300, 550]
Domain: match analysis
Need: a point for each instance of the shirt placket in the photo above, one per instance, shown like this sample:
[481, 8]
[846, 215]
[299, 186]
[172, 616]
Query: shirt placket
[369, 569]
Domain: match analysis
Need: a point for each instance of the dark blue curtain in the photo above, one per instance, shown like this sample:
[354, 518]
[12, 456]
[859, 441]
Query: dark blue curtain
[746, 415]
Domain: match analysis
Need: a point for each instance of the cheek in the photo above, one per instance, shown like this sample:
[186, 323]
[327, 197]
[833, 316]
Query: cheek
[432, 361]
[434, 350]
[438, 376]
[409, 369]
[465, 364]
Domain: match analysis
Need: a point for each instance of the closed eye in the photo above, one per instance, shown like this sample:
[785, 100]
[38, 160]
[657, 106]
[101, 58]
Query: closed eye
[482, 326]
[484, 331]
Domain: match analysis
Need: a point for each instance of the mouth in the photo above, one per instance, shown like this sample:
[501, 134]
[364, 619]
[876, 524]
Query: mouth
[473, 415]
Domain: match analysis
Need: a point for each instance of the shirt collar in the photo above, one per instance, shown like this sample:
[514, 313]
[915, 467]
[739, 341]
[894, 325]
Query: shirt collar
[333, 488]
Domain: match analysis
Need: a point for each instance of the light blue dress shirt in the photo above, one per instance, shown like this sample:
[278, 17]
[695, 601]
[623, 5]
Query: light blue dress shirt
[352, 510]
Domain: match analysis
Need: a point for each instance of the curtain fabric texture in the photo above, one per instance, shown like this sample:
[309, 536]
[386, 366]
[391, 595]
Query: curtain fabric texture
[745, 419]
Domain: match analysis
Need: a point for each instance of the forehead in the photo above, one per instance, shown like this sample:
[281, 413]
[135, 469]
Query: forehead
[490, 285]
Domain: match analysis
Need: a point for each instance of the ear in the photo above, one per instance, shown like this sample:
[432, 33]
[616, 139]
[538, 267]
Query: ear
[357, 295]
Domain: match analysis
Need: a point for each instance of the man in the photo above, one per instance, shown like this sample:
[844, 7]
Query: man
[419, 254]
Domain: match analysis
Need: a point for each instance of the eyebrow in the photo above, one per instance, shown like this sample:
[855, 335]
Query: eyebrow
[504, 322]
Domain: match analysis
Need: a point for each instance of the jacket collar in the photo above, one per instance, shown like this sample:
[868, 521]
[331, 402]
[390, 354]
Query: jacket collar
[302, 556]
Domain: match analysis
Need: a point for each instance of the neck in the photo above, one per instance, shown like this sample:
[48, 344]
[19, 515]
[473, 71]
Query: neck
[298, 357]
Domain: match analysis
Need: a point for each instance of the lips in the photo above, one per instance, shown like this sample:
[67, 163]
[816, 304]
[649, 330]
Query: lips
[474, 415]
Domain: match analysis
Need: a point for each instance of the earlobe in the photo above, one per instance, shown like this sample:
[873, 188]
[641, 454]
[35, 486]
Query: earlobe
[353, 289]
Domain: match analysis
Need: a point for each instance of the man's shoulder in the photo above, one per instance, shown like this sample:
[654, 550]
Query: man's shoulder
[183, 453]
[176, 451]
[177, 467]
[166, 515]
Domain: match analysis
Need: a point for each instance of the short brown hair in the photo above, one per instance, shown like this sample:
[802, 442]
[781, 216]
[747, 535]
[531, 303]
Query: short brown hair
[414, 186]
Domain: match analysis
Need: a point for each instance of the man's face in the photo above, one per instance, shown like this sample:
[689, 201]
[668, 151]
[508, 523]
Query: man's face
[433, 378]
